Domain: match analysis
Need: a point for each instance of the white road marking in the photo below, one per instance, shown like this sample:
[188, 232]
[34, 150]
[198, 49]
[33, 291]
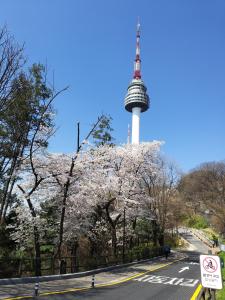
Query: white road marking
[183, 269]
[167, 280]
[171, 281]
[189, 282]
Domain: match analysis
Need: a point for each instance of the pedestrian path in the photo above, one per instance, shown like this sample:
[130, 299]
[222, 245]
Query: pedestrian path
[112, 277]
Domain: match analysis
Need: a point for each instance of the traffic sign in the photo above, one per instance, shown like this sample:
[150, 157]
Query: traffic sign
[211, 271]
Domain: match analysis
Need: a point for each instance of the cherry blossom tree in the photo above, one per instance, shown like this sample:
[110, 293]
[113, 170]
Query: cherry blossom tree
[37, 184]
[96, 189]
[45, 176]
[110, 183]
[73, 174]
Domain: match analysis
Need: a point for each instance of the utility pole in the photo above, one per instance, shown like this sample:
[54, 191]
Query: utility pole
[78, 136]
[124, 232]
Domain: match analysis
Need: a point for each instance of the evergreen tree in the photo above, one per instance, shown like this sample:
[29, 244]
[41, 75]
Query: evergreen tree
[25, 114]
[102, 134]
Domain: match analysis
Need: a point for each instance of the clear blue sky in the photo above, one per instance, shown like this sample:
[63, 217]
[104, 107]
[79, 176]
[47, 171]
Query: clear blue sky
[90, 45]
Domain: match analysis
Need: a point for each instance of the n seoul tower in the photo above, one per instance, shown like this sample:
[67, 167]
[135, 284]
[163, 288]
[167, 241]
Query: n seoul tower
[137, 99]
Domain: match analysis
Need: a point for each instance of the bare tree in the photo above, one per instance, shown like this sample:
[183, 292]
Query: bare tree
[11, 61]
[160, 188]
[204, 190]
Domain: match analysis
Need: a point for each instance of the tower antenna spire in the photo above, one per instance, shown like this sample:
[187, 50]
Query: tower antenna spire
[137, 62]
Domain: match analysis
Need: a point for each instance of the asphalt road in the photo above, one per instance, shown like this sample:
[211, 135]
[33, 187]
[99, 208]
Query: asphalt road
[176, 281]
[196, 244]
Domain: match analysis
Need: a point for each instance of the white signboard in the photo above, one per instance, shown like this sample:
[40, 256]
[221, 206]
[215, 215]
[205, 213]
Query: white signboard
[211, 271]
[222, 247]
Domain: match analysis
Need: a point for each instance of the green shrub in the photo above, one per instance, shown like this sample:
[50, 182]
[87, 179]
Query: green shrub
[196, 221]
[220, 294]
[172, 241]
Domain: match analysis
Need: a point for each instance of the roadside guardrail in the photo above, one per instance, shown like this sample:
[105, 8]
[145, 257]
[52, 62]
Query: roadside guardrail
[202, 238]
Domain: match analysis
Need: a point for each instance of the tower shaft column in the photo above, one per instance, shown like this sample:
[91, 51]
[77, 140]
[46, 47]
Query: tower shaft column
[135, 124]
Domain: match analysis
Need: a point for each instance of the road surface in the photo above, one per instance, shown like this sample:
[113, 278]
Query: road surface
[174, 282]
[174, 279]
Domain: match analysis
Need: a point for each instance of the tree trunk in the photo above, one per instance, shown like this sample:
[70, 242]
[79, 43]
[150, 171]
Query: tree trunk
[114, 242]
[154, 232]
[74, 261]
[131, 243]
[161, 239]
[37, 260]
[37, 248]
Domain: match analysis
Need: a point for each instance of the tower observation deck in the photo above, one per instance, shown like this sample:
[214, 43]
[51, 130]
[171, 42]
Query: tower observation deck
[136, 99]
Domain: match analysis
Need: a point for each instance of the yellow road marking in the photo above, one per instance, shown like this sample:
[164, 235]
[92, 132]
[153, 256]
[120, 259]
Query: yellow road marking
[24, 297]
[196, 292]
[98, 285]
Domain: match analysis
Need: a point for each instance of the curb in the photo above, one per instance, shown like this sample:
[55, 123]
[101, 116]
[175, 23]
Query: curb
[197, 293]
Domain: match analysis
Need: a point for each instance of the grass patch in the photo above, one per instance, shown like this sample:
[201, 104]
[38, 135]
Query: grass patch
[172, 241]
[210, 233]
[196, 221]
[220, 294]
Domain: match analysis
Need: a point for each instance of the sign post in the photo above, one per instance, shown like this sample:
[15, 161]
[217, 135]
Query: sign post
[211, 276]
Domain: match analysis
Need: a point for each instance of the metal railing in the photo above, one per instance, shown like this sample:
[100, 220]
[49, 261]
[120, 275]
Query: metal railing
[207, 294]
[23, 267]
